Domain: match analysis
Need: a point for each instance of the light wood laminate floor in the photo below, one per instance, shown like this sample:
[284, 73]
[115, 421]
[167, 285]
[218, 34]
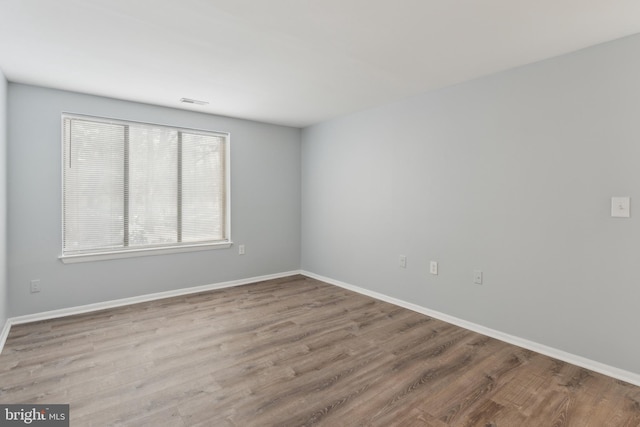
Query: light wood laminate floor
[295, 352]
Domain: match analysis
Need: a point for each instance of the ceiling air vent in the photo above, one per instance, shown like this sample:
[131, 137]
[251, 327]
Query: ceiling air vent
[193, 101]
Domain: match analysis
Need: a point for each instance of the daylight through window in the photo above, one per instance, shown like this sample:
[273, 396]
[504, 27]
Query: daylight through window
[132, 186]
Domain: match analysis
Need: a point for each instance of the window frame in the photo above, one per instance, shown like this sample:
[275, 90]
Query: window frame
[129, 252]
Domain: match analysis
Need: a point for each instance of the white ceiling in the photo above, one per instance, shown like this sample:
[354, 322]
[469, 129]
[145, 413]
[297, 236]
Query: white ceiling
[292, 62]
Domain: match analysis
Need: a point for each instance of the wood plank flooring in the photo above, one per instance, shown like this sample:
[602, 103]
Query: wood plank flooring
[295, 352]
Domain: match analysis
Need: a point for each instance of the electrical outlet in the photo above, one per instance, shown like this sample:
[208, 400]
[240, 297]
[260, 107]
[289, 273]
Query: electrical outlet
[402, 260]
[35, 286]
[240, 249]
[477, 277]
[621, 207]
[433, 268]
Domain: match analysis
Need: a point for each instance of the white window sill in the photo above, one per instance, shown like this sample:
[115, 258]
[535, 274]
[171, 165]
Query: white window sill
[131, 253]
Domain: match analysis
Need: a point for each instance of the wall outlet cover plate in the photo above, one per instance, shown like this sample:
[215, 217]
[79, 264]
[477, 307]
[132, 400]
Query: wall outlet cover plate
[621, 207]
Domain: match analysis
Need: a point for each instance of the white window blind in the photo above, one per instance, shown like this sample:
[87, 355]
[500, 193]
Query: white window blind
[130, 186]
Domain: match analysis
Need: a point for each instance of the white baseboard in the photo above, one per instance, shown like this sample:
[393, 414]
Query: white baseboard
[5, 333]
[132, 300]
[583, 362]
[611, 371]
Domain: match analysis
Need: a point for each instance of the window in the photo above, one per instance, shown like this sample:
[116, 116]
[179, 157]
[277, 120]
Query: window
[136, 187]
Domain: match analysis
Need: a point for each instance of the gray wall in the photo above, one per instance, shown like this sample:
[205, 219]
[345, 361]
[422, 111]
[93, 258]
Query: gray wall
[265, 203]
[4, 302]
[511, 174]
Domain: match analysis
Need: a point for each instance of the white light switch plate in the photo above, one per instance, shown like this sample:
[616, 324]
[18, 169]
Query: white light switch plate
[621, 207]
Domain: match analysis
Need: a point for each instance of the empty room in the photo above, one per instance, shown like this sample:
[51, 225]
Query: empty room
[333, 213]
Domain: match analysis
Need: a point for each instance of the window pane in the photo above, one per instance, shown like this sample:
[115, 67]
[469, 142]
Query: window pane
[134, 185]
[203, 188]
[93, 185]
[153, 187]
